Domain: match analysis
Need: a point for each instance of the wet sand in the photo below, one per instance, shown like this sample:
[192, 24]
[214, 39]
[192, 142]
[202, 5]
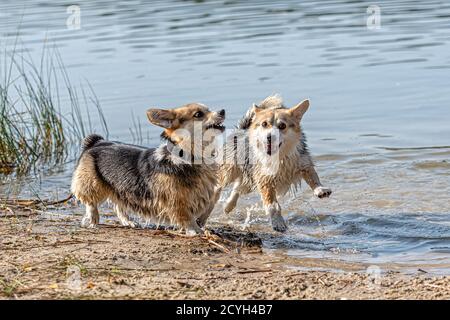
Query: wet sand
[50, 257]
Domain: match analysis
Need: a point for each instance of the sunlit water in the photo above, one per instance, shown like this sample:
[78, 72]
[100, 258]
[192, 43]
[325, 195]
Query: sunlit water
[378, 125]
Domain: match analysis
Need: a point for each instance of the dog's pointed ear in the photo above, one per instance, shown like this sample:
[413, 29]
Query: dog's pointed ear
[299, 110]
[256, 108]
[161, 117]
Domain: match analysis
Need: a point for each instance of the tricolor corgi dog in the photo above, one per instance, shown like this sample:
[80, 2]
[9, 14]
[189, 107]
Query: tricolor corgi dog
[172, 184]
[268, 154]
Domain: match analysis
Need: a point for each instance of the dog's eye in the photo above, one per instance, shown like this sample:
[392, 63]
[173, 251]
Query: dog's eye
[282, 126]
[199, 114]
[264, 124]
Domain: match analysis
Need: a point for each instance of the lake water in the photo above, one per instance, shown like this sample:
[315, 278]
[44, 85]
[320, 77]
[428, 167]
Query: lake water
[378, 125]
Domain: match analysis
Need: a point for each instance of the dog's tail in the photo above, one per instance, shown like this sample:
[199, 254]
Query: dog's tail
[271, 102]
[90, 141]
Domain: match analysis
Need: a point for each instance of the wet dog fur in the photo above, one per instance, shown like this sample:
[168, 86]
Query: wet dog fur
[271, 157]
[157, 184]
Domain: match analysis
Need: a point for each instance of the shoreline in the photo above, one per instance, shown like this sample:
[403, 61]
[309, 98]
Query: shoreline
[45, 257]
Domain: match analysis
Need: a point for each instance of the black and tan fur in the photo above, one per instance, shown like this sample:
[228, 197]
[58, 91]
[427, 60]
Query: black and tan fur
[256, 160]
[162, 184]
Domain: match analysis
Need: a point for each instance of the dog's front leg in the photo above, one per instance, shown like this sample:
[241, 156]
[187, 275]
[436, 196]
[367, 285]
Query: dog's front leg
[272, 208]
[312, 179]
[231, 202]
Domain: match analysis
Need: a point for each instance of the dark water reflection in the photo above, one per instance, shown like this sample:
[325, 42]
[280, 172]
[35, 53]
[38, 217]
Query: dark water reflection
[380, 113]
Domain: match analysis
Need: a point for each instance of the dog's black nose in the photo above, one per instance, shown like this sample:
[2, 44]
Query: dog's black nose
[269, 138]
[222, 113]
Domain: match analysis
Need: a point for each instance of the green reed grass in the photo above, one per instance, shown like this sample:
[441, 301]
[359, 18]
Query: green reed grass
[33, 130]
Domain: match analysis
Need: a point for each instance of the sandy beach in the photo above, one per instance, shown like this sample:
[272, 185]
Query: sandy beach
[51, 257]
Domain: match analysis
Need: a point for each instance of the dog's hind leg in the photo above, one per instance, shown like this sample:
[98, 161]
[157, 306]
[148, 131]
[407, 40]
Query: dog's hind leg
[123, 217]
[92, 218]
[89, 189]
[192, 228]
[205, 215]
[231, 202]
[272, 208]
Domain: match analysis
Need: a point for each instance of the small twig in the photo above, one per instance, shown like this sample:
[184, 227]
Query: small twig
[226, 250]
[59, 243]
[254, 271]
[323, 283]
[53, 203]
[295, 274]
[33, 202]
[114, 268]
[421, 270]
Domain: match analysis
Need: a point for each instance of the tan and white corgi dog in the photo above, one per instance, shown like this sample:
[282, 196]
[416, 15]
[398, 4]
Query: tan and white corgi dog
[268, 154]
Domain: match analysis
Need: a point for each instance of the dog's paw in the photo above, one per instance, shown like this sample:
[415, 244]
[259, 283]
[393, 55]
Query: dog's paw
[128, 223]
[229, 206]
[278, 223]
[89, 223]
[190, 232]
[322, 192]
[192, 229]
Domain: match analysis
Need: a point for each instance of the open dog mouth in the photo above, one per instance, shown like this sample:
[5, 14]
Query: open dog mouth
[217, 126]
